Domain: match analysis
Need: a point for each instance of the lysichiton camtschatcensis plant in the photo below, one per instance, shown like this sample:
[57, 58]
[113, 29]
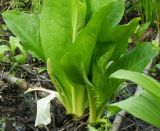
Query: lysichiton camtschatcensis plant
[82, 44]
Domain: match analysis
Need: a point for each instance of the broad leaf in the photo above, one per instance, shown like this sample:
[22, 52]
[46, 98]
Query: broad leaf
[119, 40]
[77, 60]
[148, 83]
[135, 60]
[104, 87]
[66, 19]
[26, 28]
[98, 4]
[112, 18]
[144, 106]
[120, 36]
[56, 28]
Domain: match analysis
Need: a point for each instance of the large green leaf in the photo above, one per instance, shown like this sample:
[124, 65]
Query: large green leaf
[135, 60]
[65, 24]
[119, 40]
[26, 28]
[76, 61]
[148, 83]
[105, 87]
[120, 36]
[61, 22]
[98, 4]
[112, 18]
[56, 28]
[144, 106]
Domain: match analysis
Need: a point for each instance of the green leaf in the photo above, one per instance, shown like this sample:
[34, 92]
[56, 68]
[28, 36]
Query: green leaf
[76, 61]
[20, 59]
[26, 28]
[119, 40]
[66, 19]
[3, 49]
[62, 85]
[91, 128]
[105, 87]
[103, 55]
[14, 43]
[142, 29]
[144, 106]
[98, 4]
[112, 18]
[42, 69]
[135, 60]
[78, 16]
[120, 36]
[56, 28]
[146, 82]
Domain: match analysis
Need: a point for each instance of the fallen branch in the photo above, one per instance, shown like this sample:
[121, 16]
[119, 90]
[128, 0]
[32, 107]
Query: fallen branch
[20, 83]
[119, 117]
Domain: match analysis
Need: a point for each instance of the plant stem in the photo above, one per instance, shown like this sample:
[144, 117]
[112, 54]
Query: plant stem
[92, 106]
[78, 93]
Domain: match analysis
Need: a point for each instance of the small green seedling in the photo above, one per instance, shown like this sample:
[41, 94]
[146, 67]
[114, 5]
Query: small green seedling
[8, 52]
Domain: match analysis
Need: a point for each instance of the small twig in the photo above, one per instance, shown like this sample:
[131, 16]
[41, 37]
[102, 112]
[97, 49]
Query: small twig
[11, 68]
[125, 128]
[81, 125]
[36, 72]
[47, 129]
[118, 120]
[41, 80]
[149, 128]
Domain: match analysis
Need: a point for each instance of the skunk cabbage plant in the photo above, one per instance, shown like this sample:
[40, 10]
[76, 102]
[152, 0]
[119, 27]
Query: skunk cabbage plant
[146, 104]
[82, 43]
